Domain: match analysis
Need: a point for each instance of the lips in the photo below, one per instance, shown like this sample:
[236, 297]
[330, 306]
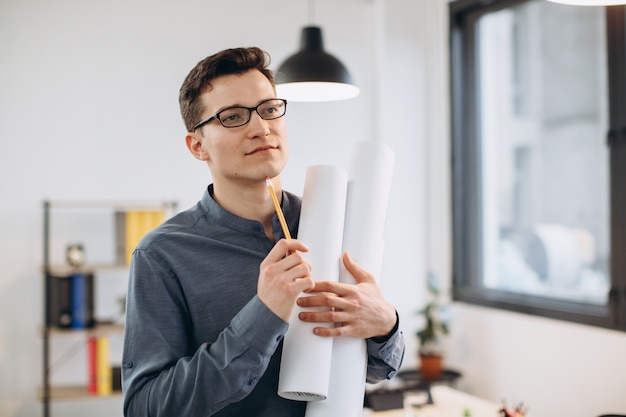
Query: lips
[262, 149]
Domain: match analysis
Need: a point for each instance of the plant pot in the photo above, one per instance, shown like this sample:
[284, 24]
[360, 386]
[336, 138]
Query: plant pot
[431, 366]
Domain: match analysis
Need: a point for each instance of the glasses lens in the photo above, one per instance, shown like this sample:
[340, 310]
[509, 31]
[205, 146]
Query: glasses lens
[272, 109]
[234, 116]
[239, 116]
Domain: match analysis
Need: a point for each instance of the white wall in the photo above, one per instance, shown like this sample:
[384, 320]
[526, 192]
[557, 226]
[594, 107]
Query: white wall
[558, 368]
[88, 110]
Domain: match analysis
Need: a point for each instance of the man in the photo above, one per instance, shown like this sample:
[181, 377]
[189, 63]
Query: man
[212, 289]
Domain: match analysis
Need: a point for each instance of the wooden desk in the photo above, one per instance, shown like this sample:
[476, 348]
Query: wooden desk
[448, 402]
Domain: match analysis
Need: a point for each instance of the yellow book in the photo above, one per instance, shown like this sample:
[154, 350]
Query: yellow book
[104, 382]
[138, 223]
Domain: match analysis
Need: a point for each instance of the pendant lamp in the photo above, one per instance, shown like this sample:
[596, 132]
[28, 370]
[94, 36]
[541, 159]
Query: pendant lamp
[590, 2]
[312, 74]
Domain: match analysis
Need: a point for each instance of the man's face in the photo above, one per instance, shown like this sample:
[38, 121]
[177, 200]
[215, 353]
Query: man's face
[247, 153]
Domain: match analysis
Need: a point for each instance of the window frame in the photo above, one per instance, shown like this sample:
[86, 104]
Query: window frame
[465, 154]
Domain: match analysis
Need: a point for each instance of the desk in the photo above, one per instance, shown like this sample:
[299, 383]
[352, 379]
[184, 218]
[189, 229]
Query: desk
[448, 402]
[385, 399]
[414, 379]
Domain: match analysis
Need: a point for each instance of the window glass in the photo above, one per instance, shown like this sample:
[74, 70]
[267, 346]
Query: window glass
[544, 169]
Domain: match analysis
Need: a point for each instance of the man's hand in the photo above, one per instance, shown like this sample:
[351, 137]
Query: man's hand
[358, 310]
[283, 275]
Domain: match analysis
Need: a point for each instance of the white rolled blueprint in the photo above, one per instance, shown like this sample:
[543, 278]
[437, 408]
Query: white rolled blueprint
[306, 358]
[366, 210]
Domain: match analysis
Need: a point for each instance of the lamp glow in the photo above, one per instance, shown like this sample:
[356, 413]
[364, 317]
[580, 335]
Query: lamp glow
[590, 2]
[317, 91]
[312, 74]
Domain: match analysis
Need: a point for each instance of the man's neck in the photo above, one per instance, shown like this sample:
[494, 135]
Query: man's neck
[248, 200]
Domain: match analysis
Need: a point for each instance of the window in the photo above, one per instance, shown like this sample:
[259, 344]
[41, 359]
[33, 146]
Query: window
[539, 146]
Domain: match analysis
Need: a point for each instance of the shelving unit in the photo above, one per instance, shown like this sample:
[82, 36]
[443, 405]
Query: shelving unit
[49, 393]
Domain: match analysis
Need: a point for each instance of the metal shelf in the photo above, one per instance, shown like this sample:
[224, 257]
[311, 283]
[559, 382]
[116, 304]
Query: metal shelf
[74, 392]
[48, 392]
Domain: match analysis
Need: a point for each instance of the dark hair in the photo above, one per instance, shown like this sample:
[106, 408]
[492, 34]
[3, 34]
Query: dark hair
[226, 62]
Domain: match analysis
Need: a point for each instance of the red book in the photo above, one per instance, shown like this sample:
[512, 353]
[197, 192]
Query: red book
[92, 358]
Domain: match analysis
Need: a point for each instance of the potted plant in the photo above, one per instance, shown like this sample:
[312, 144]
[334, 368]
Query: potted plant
[431, 334]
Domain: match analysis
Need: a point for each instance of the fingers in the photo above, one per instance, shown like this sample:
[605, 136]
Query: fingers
[339, 330]
[331, 316]
[283, 275]
[291, 266]
[358, 310]
[342, 289]
[325, 299]
[330, 309]
[283, 248]
[359, 274]
[286, 263]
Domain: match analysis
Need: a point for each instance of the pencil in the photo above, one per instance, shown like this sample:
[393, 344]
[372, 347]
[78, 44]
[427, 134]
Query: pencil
[279, 212]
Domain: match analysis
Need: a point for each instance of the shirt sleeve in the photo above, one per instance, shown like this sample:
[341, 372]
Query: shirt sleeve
[161, 375]
[384, 358]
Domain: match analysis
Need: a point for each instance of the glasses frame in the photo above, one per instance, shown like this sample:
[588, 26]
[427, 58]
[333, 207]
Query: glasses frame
[216, 116]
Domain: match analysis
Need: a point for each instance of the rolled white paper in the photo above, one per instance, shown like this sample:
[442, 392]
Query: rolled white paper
[306, 358]
[366, 209]
[347, 381]
[369, 185]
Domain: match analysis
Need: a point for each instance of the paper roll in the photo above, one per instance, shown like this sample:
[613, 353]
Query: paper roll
[306, 358]
[366, 209]
[369, 185]
[347, 381]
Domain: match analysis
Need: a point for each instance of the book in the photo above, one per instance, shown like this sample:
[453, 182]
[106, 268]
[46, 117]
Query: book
[117, 378]
[130, 228]
[59, 312]
[104, 383]
[78, 293]
[120, 237]
[70, 300]
[92, 363]
[81, 300]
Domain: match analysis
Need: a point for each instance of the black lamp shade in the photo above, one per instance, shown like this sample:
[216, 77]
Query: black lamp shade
[314, 70]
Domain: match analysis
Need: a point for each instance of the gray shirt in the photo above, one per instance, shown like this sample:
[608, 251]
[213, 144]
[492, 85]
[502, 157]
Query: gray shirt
[198, 340]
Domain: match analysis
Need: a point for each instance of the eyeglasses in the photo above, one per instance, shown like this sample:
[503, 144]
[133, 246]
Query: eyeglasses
[236, 116]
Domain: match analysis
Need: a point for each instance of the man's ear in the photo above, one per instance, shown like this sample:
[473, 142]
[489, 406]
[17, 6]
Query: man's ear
[194, 144]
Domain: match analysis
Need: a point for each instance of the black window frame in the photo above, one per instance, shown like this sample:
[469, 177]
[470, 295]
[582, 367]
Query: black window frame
[466, 227]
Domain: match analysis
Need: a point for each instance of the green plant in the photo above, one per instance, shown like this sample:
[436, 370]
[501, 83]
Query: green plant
[435, 316]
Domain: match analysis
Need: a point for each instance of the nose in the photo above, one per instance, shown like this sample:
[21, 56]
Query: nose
[258, 126]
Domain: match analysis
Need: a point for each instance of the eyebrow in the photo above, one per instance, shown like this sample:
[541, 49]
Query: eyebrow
[241, 105]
